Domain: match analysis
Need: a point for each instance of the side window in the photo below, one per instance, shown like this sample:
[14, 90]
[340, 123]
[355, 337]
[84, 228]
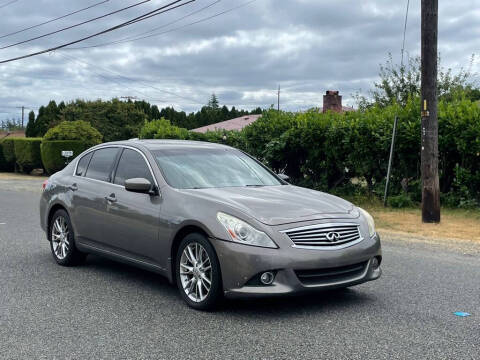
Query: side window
[82, 164]
[101, 164]
[132, 165]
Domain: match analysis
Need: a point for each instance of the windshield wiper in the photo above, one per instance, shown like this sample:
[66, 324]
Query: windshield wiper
[253, 185]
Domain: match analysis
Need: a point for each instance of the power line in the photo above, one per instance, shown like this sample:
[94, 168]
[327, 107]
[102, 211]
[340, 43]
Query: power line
[130, 79]
[55, 19]
[75, 25]
[167, 31]
[404, 32]
[9, 3]
[395, 121]
[131, 38]
[134, 20]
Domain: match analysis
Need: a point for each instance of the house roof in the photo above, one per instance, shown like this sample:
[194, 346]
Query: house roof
[233, 124]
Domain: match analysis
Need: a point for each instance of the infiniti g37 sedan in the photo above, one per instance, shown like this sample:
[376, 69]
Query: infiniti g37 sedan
[210, 218]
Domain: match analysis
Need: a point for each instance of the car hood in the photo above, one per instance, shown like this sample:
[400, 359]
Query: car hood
[277, 205]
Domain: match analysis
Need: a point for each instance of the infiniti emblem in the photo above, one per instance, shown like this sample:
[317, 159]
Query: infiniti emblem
[333, 236]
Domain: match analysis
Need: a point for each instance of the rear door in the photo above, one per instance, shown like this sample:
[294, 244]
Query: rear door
[134, 217]
[91, 187]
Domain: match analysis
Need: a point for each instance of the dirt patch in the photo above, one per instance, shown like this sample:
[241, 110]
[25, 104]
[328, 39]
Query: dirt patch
[455, 224]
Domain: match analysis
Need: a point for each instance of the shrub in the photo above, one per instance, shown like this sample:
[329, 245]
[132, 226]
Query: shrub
[51, 152]
[162, 129]
[74, 130]
[27, 154]
[400, 201]
[7, 155]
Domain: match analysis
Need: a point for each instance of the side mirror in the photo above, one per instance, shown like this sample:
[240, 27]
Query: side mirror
[284, 177]
[139, 185]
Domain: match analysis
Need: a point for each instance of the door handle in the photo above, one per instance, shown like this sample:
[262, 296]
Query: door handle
[73, 187]
[111, 198]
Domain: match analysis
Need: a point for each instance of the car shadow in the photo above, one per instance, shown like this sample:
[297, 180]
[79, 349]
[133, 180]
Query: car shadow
[291, 305]
[299, 304]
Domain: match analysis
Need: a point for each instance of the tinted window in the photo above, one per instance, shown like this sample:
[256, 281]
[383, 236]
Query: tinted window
[82, 164]
[132, 165]
[211, 168]
[101, 164]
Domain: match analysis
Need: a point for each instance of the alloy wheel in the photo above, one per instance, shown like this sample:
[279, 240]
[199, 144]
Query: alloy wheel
[195, 272]
[60, 243]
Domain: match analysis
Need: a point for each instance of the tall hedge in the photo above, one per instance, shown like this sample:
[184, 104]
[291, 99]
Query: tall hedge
[27, 153]
[333, 152]
[7, 155]
[51, 151]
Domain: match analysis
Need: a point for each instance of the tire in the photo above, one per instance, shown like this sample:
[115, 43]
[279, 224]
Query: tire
[196, 292]
[63, 247]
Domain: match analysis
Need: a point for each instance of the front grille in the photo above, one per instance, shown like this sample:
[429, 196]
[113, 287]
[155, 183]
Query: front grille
[333, 235]
[331, 275]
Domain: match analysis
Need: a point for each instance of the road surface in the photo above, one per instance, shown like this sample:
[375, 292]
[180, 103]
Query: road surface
[106, 310]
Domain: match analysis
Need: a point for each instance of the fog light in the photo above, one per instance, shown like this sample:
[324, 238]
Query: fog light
[375, 263]
[267, 278]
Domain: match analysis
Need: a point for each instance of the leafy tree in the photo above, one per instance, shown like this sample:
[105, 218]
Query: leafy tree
[74, 130]
[398, 83]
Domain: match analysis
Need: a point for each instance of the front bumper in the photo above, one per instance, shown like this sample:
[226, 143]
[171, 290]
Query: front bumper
[240, 264]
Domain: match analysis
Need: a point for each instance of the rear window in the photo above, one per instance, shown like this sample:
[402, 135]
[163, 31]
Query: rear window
[101, 164]
[82, 164]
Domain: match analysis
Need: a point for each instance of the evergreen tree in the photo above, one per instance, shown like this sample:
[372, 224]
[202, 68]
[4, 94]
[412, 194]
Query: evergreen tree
[213, 102]
[30, 129]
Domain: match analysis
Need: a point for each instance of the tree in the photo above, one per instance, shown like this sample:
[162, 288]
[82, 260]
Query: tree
[30, 130]
[213, 102]
[47, 118]
[398, 83]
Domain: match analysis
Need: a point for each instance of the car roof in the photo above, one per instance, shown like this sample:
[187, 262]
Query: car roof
[170, 144]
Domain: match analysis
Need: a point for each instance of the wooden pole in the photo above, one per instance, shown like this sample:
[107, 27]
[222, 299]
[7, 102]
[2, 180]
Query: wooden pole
[429, 136]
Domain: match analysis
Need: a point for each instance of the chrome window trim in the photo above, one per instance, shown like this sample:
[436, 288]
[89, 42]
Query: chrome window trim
[113, 146]
[323, 225]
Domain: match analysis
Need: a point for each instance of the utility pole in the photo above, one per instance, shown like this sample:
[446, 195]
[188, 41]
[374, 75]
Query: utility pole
[23, 113]
[429, 136]
[278, 106]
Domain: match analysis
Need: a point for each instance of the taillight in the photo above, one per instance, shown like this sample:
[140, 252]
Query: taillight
[44, 184]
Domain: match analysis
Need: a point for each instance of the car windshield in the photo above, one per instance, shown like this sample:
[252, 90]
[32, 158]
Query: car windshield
[200, 168]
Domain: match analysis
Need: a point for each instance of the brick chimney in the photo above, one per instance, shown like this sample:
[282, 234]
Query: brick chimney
[332, 101]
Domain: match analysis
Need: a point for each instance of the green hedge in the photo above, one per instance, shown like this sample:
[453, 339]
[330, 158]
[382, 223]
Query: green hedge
[7, 155]
[27, 153]
[348, 153]
[52, 153]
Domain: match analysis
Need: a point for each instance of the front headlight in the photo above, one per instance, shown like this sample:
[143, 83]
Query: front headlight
[240, 232]
[370, 222]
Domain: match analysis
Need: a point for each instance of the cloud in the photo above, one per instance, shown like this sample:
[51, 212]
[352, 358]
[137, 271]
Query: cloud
[307, 46]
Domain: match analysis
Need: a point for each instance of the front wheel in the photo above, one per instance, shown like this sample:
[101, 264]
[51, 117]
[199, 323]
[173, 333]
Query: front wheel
[198, 272]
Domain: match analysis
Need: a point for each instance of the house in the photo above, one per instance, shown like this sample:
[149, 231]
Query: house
[332, 101]
[233, 124]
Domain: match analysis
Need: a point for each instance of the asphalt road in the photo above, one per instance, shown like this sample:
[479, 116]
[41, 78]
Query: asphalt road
[105, 310]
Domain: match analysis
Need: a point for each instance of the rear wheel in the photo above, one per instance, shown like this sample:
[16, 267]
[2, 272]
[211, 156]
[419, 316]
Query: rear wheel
[198, 272]
[62, 240]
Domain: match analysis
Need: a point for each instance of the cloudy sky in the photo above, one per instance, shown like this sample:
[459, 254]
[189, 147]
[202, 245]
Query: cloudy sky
[242, 55]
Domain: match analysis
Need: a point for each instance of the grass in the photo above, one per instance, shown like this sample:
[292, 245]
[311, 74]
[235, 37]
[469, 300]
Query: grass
[459, 224]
